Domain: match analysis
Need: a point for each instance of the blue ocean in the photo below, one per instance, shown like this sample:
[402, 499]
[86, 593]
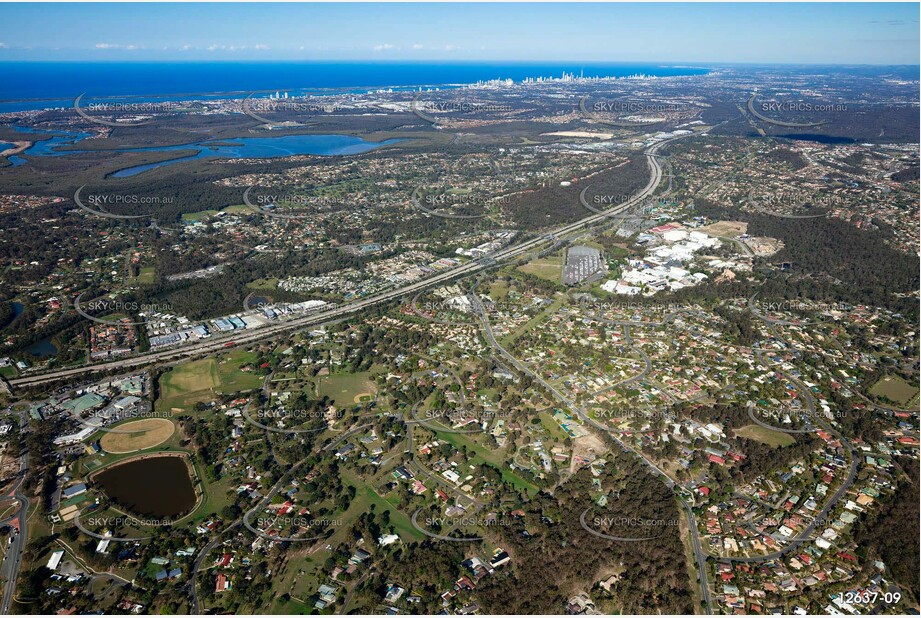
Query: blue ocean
[37, 85]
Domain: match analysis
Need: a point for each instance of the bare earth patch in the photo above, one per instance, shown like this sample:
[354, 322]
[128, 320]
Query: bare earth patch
[587, 447]
[729, 229]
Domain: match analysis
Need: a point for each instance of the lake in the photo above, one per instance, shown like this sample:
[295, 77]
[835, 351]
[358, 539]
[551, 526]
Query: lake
[240, 148]
[260, 148]
[153, 487]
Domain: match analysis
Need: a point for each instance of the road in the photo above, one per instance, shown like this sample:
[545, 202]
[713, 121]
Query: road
[195, 607]
[741, 245]
[11, 564]
[628, 339]
[822, 517]
[474, 504]
[700, 555]
[194, 604]
[12, 561]
[96, 535]
[236, 339]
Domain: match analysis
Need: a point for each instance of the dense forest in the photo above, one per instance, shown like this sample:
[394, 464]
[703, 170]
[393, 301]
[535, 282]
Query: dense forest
[830, 260]
[654, 572]
[556, 205]
[891, 532]
[548, 538]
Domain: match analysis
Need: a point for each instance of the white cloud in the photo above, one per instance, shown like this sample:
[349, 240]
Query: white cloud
[383, 47]
[233, 48]
[114, 46]
[417, 46]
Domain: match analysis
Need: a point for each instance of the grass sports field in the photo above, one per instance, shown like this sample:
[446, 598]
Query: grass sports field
[896, 390]
[347, 388]
[549, 268]
[149, 433]
[765, 435]
[185, 385]
[146, 275]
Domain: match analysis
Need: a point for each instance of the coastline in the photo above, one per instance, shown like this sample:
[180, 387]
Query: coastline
[120, 81]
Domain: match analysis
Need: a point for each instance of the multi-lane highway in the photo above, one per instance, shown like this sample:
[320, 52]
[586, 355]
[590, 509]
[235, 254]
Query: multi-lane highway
[235, 339]
[9, 569]
[10, 566]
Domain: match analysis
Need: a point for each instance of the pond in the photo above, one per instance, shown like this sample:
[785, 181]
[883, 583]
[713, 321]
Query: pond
[153, 487]
[43, 348]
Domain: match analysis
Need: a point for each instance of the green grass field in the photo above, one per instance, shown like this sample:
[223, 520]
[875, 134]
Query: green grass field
[896, 390]
[365, 496]
[485, 455]
[549, 268]
[237, 209]
[185, 385]
[198, 216]
[498, 290]
[147, 275]
[218, 494]
[263, 284]
[207, 214]
[765, 435]
[552, 427]
[231, 378]
[347, 388]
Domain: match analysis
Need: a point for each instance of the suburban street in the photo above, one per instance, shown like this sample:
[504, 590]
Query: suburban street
[700, 555]
[431, 309]
[507, 254]
[236, 339]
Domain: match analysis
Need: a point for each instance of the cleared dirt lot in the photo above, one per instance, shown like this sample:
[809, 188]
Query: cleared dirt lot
[731, 229]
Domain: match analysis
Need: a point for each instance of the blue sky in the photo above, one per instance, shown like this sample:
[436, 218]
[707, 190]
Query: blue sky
[840, 33]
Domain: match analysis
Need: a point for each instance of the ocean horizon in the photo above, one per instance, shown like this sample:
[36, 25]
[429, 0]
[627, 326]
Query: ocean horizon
[34, 85]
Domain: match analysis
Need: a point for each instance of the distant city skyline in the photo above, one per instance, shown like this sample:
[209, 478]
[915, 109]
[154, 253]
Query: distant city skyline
[805, 33]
